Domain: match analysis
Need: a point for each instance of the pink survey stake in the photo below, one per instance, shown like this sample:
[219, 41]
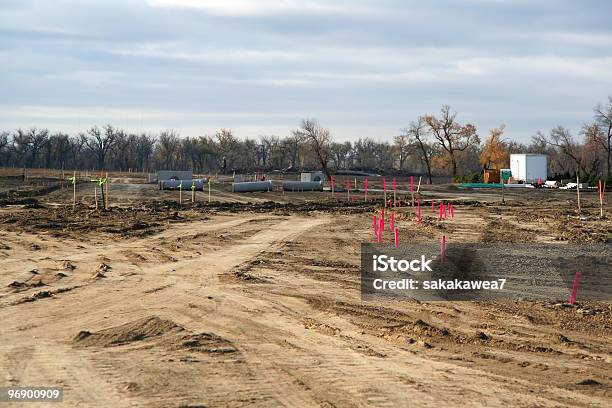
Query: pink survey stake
[575, 288]
[396, 237]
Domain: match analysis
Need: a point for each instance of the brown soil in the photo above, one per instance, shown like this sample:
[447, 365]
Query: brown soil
[254, 300]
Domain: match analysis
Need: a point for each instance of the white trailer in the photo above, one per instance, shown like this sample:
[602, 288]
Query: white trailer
[529, 168]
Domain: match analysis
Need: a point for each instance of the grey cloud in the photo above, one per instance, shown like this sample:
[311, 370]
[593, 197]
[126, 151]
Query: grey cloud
[528, 64]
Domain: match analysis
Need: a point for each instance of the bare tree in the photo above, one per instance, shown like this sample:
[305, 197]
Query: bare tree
[402, 146]
[293, 146]
[100, 143]
[561, 138]
[57, 150]
[319, 140]
[143, 151]
[383, 156]
[228, 147]
[4, 143]
[122, 150]
[38, 139]
[417, 134]
[272, 152]
[539, 144]
[21, 147]
[592, 153]
[451, 135]
[364, 153]
[267, 145]
[341, 154]
[167, 149]
[248, 152]
[603, 118]
[278, 153]
[77, 153]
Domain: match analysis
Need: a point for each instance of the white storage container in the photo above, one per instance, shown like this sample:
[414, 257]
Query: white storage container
[529, 168]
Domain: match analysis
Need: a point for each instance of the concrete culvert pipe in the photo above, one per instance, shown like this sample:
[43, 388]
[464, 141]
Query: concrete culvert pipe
[187, 184]
[252, 186]
[303, 185]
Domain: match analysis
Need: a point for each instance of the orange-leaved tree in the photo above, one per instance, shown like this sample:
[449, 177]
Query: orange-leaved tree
[495, 153]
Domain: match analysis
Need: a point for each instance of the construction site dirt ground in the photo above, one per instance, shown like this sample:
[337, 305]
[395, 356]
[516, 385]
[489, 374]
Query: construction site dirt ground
[254, 300]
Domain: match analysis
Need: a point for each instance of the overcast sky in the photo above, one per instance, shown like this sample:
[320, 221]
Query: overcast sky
[362, 68]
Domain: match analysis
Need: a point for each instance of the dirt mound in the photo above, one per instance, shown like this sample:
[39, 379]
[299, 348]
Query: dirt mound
[142, 329]
[64, 222]
[24, 192]
[27, 202]
[587, 230]
[162, 332]
[203, 342]
[502, 230]
[265, 206]
[25, 285]
[243, 272]
[589, 381]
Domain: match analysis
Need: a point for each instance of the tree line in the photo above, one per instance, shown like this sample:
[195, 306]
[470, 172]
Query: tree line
[432, 145]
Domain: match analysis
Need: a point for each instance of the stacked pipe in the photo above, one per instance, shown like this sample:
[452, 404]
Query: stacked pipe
[251, 186]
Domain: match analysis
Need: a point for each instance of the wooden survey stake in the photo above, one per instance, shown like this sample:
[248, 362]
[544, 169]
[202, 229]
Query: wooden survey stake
[385, 190]
[73, 190]
[578, 192]
[348, 189]
[602, 190]
[106, 181]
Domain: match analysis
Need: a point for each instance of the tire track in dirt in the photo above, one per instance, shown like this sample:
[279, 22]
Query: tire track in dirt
[122, 254]
[100, 305]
